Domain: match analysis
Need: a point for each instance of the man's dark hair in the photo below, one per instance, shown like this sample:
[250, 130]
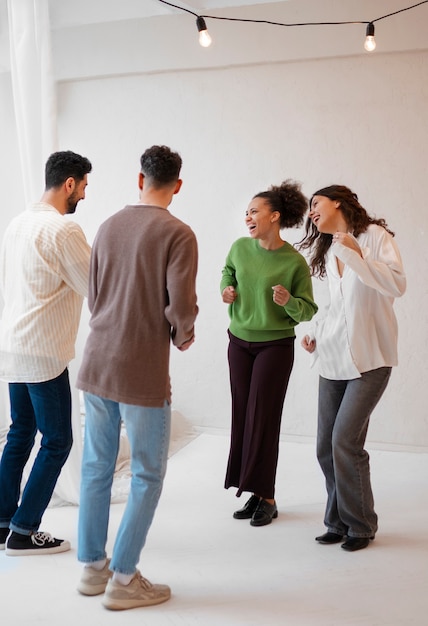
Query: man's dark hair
[160, 165]
[63, 165]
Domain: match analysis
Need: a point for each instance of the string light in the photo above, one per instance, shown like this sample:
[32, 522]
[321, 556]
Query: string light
[205, 38]
[370, 43]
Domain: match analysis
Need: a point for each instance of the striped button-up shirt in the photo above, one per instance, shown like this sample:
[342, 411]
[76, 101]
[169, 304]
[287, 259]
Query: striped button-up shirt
[44, 267]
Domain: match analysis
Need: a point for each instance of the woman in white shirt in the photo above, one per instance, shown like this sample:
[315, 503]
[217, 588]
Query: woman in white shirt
[356, 345]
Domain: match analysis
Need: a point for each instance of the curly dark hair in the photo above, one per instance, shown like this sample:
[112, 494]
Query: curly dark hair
[160, 165]
[63, 165]
[288, 200]
[355, 216]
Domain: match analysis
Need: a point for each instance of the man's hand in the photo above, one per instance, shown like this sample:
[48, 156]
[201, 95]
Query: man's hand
[186, 345]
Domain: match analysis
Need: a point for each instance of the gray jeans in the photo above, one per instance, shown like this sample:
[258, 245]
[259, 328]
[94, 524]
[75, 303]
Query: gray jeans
[344, 409]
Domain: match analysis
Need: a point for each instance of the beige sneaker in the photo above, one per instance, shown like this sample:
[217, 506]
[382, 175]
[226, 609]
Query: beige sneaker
[139, 592]
[94, 581]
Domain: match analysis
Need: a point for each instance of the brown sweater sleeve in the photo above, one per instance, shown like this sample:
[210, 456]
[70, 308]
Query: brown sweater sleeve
[181, 310]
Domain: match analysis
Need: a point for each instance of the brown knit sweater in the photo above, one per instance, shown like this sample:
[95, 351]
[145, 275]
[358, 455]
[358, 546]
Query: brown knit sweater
[141, 296]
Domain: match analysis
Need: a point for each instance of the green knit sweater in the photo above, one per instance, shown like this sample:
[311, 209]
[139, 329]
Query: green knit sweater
[253, 271]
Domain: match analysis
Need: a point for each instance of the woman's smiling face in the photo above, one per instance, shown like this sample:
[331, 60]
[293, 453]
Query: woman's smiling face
[260, 218]
[325, 214]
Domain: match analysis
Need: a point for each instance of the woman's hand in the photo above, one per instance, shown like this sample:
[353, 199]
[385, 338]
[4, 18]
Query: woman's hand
[229, 295]
[280, 295]
[347, 240]
[308, 344]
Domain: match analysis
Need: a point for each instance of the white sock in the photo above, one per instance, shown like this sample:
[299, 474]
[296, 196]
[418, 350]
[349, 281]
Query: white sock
[98, 565]
[122, 579]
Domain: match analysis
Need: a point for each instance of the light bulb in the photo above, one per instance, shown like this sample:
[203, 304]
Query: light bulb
[205, 39]
[370, 42]
[204, 36]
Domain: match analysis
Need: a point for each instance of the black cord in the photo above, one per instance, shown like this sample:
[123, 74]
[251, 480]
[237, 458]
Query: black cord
[182, 8]
[238, 19]
[400, 11]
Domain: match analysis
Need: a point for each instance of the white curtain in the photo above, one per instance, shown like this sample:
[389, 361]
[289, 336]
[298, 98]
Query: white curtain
[4, 412]
[34, 94]
[33, 89]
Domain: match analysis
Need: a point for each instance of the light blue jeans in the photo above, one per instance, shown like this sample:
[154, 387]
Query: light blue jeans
[148, 431]
[344, 409]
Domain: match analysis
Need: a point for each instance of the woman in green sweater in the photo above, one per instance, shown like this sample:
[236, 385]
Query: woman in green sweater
[268, 287]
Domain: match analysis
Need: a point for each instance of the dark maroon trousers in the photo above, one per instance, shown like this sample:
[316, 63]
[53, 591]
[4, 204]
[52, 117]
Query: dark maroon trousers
[259, 375]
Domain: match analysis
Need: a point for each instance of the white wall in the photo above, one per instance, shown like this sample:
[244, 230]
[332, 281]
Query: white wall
[356, 119]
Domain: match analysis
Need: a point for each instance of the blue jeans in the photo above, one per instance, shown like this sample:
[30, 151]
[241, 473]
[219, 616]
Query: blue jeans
[148, 431]
[344, 409]
[46, 407]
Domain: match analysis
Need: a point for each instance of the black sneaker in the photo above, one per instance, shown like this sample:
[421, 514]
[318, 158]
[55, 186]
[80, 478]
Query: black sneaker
[4, 532]
[37, 543]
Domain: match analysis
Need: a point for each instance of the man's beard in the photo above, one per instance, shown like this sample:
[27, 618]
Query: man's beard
[71, 204]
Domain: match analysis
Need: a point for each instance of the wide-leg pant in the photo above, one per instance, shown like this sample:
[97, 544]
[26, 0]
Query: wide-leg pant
[344, 409]
[259, 375]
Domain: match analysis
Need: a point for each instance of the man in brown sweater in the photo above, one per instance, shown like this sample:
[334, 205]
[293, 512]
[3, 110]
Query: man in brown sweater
[141, 297]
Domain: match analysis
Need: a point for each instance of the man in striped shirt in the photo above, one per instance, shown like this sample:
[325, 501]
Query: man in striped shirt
[44, 267]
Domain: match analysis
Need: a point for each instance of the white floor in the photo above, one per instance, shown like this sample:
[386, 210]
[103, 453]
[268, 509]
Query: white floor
[224, 572]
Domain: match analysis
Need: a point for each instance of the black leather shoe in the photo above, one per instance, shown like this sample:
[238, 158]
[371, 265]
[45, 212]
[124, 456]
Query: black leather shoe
[264, 514]
[356, 543]
[248, 509]
[329, 538]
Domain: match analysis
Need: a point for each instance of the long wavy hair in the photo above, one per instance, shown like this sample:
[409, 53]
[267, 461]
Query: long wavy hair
[355, 216]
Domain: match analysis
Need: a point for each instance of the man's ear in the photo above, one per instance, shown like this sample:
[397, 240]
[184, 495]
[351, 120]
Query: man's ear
[70, 185]
[140, 181]
[178, 186]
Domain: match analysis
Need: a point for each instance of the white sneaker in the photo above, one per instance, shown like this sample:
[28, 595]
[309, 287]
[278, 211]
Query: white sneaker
[94, 581]
[139, 592]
